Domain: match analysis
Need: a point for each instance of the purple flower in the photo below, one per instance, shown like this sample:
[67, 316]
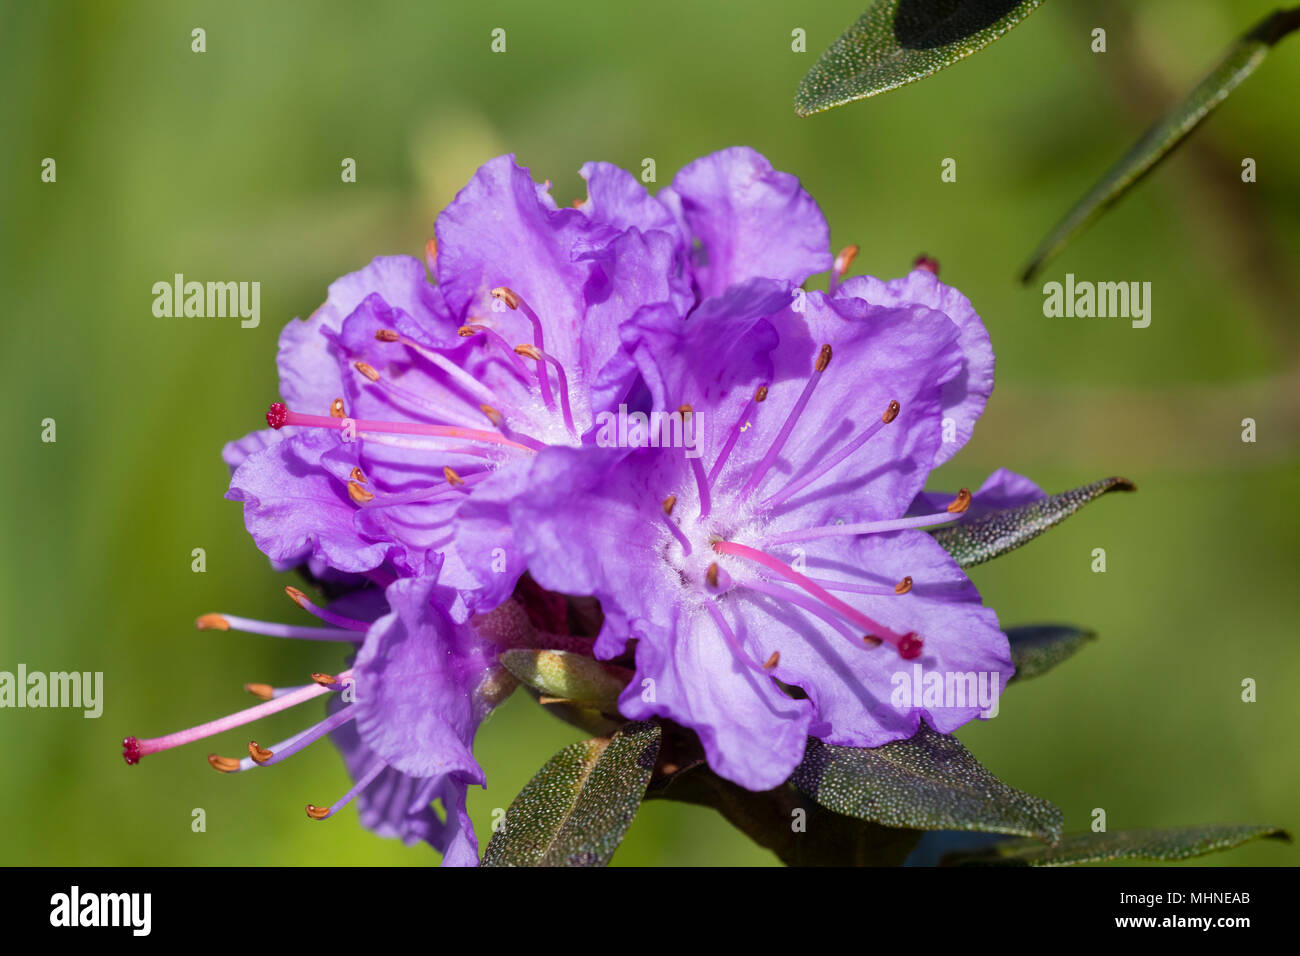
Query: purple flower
[782, 556]
[434, 393]
[404, 714]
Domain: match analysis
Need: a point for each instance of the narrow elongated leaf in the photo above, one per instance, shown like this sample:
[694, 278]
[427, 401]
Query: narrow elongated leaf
[1170, 130]
[930, 782]
[1037, 648]
[795, 828]
[990, 535]
[897, 42]
[568, 676]
[575, 811]
[1177, 843]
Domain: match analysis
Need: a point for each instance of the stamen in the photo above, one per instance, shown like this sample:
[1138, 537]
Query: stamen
[771, 662]
[338, 620]
[927, 263]
[847, 611]
[852, 587]
[299, 741]
[759, 395]
[454, 371]
[760, 470]
[514, 300]
[841, 266]
[324, 813]
[956, 508]
[358, 494]
[499, 421]
[544, 358]
[264, 691]
[357, 475]
[516, 363]
[677, 532]
[224, 764]
[337, 410]
[697, 468]
[824, 467]
[229, 622]
[278, 416]
[259, 754]
[799, 599]
[367, 370]
[730, 637]
[133, 748]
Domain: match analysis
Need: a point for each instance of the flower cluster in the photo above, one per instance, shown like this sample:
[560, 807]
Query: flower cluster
[438, 459]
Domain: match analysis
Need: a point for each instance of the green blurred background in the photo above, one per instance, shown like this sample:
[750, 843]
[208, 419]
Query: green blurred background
[225, 165]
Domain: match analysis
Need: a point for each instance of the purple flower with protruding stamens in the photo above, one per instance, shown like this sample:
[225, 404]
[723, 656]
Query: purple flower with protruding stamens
[404, 714]
[784, 556]
[404, 399]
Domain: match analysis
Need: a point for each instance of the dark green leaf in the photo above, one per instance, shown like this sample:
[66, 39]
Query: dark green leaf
[930, 782]
[990, 535]
[575, 811]
[796, 829]
[897, 42]
[1038, 648]
[1170, 130]
[1177, 843]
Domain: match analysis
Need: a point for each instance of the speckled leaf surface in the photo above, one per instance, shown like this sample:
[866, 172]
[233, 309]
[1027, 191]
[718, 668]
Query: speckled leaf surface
[896, 42]
[930, 782]
[990, 535]
[1241, 60]
[1175, 843]
[1037, 648]
[577, 808]
[794, 827]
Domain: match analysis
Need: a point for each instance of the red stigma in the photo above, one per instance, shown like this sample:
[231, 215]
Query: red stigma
[131, 751]
[926, 263]
[910, 647]
[277, 415]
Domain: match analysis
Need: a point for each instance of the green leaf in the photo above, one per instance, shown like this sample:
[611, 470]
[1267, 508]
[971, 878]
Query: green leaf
[1176, 843]
[990, 535]
[575, 811]
[897, 42]
[796, 829]
[570, 677]
[1037, 648]
[930, 782]
[1171, 129]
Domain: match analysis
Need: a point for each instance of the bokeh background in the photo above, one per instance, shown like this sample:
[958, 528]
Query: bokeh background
[225, 165]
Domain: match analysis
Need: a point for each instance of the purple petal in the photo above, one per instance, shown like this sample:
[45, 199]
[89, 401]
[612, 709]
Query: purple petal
[295, 508]
[417, 680]
[964, 395]
[749, 220]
